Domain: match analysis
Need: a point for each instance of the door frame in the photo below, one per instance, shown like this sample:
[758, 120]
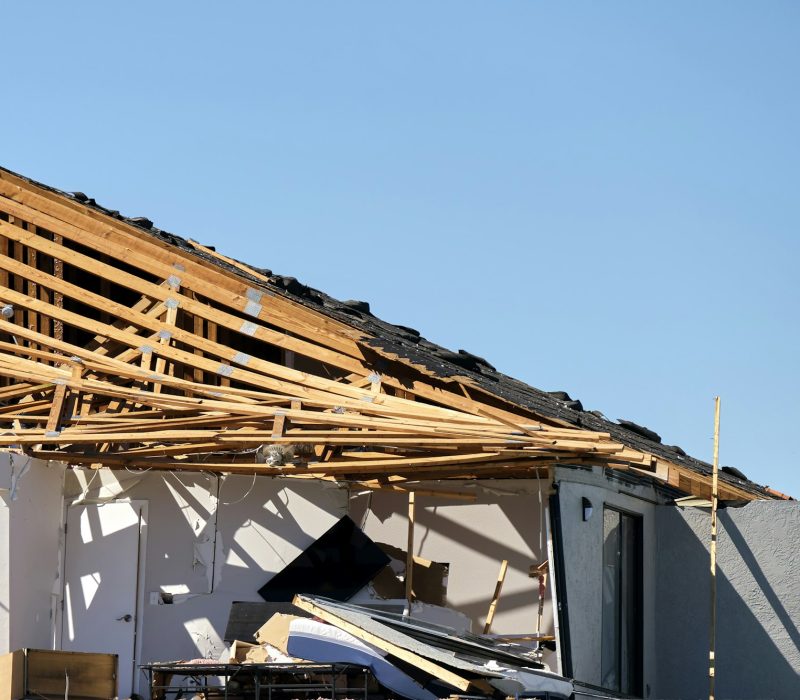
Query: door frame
[142, 506]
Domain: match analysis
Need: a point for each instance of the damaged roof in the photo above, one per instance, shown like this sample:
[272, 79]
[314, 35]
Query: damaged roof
[392, 342]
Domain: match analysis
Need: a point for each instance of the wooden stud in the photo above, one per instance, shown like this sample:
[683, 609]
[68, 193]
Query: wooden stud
[501, 577]
[410, 552]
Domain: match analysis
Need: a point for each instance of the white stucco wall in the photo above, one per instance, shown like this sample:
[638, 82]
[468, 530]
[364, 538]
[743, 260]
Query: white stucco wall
[30, 530]
[5, 583]
[36, 522]
[473, 538]
[583, 562]
[254, 537]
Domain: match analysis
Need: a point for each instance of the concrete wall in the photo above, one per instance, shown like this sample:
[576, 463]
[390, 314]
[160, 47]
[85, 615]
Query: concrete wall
[583, 562]
[758, 613]
[30, 531]
[504, 523]
[209, 548]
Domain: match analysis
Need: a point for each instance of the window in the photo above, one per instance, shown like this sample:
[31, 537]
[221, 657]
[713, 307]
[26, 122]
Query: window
[622, 602]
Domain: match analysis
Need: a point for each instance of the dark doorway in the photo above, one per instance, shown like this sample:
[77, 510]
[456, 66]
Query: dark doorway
[622, 602]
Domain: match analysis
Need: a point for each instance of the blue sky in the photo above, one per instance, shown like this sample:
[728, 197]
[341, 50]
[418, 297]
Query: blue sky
[597, 197]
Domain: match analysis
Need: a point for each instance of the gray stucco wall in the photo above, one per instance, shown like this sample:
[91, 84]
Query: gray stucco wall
[583, 563]
[758, 612]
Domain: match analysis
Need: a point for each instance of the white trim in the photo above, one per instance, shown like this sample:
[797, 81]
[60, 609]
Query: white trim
[553, 586]
[140, 586]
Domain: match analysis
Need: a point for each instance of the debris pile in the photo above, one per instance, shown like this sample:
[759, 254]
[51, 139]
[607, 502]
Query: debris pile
[387, 654]
[310, 636]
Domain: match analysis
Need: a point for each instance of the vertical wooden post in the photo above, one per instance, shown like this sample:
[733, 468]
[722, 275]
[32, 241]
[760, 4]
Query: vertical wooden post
[540, 572]
[410, 553]
[501, 577]
[713, 564]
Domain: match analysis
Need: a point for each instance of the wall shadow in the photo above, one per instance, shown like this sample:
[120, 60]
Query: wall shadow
[510, 531]
[751, 663]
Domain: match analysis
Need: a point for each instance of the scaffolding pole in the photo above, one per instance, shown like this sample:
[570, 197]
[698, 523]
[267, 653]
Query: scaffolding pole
[713, 558]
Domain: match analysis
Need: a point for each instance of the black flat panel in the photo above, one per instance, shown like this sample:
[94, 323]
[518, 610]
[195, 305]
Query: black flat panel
[336, 566]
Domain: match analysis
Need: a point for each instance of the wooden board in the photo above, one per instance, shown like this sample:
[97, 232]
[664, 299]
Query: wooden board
[44, 673]
[12, 681]
[410, 657]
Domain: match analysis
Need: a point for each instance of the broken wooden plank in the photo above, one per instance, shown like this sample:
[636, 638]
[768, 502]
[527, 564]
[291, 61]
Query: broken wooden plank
[501, 577]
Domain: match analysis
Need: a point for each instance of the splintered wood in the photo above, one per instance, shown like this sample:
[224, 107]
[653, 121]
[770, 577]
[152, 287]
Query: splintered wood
[123, 349]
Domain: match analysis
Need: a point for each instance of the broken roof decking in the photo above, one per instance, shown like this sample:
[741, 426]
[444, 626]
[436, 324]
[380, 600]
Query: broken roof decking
[131, 347]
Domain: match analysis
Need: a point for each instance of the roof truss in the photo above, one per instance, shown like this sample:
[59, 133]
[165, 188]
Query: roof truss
[122, 350]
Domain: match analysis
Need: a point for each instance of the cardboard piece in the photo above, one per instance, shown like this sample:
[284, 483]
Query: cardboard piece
[257, 654]
[240, 650]
[430, 578]
[275, 631]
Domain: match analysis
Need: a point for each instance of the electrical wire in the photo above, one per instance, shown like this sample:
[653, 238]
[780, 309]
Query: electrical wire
[88, 486]
[247, 493]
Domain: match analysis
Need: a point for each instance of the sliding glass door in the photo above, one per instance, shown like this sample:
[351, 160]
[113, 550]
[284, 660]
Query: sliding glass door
[622, 602]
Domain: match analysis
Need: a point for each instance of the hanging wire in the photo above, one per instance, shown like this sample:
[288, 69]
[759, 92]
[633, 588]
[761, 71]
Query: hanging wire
[247, 493]
[138, 471]
[89, 485]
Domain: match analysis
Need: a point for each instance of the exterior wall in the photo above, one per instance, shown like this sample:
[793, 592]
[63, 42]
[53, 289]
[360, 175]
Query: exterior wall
[209, 548]
[30, 526]
[5, 558]
[35, 527]
[473, 538]
[583, 564]
[758, 601]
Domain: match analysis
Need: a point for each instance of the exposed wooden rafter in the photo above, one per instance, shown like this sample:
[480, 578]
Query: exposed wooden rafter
[122, 350]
